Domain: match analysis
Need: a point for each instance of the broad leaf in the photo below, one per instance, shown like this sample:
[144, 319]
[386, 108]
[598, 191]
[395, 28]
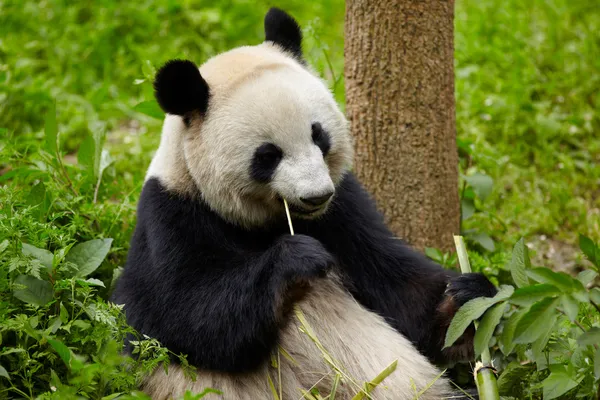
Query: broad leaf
[559, 279]
[472, 310]
[486, 327]
[89, 255]
[3, 245]
[481, 183]
[591, 337]
[150, 108]
[43, 255]
[557, 384]
[507, 343]
[587, 276]
[484, 240]
[538, 346]
[591, 251]
[527, 295]
[533, 323]
[467, 209]
[62, 350]
[570, 306]
[4, 372]
[36, 291]
[92, 282]
[595, 295]
[519, 263]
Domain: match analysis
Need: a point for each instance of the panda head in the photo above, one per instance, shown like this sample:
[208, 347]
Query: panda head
[251, 127]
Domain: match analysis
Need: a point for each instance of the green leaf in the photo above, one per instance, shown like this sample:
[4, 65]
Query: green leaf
[62, 350]
[36, 291]
[51, 130]
[527, 295]
[481, 183]
[39, 198]
[486, 327]
[595, 295]
[559, 279]
[434, 254]
[557, 384]
[53, 325]
[92, 282]
[3, 245]
[511, 378]
[150, 108]
[538, 346]
[64, 314]
[507, 343]
[4, 372]
[148, 70]
[570, 306]
[484, 240]
[590, 337]
[520, 263]
[43, 255]
[585, 277]
[105, 161]
[532, 325]
[472, 310]
[467, 209]
[591, 251]
[89, 255]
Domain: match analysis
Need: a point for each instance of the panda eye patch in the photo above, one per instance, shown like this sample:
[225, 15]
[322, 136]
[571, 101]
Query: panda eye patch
[320, 137]
[266, 159]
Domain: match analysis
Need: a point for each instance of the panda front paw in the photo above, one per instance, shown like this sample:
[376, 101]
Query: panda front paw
[469, 286]
[460, 290]
[304, 258]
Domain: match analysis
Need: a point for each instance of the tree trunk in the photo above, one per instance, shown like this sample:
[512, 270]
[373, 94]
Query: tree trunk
[399, 77]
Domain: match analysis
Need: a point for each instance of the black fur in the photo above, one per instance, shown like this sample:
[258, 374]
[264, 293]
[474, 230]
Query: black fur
[321, 138]
[220, 294]
[180, 89]
[283, 30]
[266, 159]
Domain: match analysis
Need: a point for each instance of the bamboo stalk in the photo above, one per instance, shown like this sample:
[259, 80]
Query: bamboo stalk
[485, 378]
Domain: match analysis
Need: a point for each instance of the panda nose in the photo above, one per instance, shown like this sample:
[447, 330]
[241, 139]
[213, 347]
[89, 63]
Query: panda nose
[316, 201]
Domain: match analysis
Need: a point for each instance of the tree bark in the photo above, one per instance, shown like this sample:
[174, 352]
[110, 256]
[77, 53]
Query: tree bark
[399, 77]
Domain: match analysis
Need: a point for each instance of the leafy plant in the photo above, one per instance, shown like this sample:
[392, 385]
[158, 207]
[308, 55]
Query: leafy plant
[60, 338]
[548, 329]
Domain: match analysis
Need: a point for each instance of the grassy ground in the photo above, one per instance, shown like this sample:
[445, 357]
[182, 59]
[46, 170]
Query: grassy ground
[528, 95]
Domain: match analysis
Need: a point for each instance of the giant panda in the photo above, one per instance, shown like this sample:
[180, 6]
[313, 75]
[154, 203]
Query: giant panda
[214, 272]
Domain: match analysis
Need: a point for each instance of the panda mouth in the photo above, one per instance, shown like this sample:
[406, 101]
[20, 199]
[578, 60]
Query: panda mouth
[304, 211]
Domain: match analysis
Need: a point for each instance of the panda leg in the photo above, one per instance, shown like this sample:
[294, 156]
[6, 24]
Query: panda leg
[359, 341]
[250, 386]
[362, 343]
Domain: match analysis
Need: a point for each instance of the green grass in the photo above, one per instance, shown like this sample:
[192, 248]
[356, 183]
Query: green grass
[527, 89]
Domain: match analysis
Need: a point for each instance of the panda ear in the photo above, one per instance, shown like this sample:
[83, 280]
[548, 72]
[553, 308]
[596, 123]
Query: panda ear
[284, 31]
[179, 88]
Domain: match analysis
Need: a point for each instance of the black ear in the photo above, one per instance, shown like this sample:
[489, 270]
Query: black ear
[179, 88]
[283, 30]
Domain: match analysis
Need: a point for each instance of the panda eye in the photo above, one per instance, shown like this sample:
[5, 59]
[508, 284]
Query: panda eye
[321, 138]
[268, 154]
[266, 158]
